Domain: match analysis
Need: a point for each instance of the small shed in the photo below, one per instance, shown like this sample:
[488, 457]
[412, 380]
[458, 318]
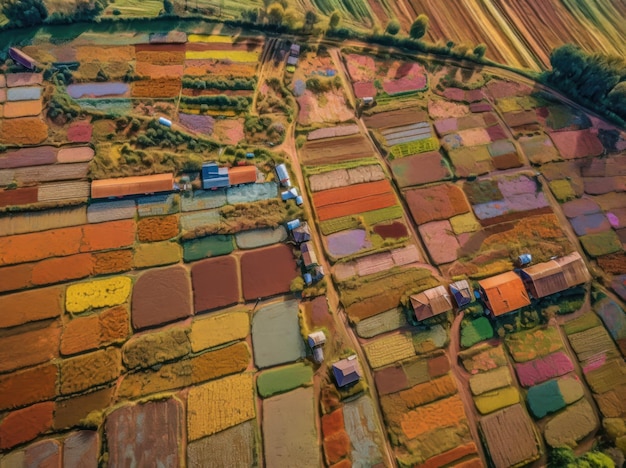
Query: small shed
[555, 275]
[21, 58]
[317, 338]
[294, 223]
[283, 175]
[347, 371]
[302, 233]
[294, 50]
[290, 194]
[462, 292]
[291, 60]
[504, 293]
[309, 257]
[431, 302]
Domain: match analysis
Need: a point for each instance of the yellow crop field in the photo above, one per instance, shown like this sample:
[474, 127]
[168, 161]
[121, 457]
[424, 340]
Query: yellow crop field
[232, 55]
[389, 349]
[214, 330]
[497, 399]
[95, 294]
[209, 38]
[220, 404]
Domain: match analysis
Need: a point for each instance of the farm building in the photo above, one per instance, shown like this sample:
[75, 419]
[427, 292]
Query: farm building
[555, 275]
[294, 50]
[293, 224]
[316, 342]
[214, 176]
[283, 175]
[242, 175]
[137, 185]
[347, 371]
[309, 257]
[20, 57]
[504, 293]
[431, 302]
[302, 233]
[291, 194]
[291, 60]
[462, 292]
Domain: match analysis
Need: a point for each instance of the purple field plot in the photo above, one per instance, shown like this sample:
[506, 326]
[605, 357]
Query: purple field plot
[345, 243]
[590, 224]
[197, 123]
[97, 89]
[613, 315]
[539, 370]
[516, 203]
[496, 132]
[517, 186]
[579, 207]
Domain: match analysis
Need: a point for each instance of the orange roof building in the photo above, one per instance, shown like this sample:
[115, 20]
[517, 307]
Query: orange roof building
[241, 175]
[137, 185]
[504, 293]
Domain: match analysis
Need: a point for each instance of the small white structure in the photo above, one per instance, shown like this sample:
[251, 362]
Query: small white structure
[316, 341]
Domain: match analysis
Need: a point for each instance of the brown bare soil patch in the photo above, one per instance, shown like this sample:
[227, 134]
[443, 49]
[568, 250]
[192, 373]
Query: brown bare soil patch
[215, 283]
[390, 380]
[208, 67]
[105, 54]
[158, 71]
[614, 264]
[577, 143]
[396, 118]
[261, 280]
[336, 149]
[22, 109]
[161, 296]
[419, 169]
[435, 203]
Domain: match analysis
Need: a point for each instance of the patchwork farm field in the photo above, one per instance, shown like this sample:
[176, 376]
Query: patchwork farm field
[181, 322]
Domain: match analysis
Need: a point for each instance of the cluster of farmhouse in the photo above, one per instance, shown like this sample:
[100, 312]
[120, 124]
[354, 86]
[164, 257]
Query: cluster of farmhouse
[506, 292]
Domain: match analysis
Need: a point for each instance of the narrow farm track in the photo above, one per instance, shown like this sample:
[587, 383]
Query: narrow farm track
[343, 332]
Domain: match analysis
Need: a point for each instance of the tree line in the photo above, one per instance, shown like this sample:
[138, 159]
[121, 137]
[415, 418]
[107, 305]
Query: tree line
[594, 80]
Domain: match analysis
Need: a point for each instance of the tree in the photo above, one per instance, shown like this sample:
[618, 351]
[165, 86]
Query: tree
[296, 285]
[419, 27]
[168, 7]
[310, 18]
[617, 99]
[275, 14]
[23, 13]
[334, 20]
[480, 50]
[393, 27]
[86, 10]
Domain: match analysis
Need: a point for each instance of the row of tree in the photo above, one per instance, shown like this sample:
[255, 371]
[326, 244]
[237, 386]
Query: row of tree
[596, 81]
[25, 13]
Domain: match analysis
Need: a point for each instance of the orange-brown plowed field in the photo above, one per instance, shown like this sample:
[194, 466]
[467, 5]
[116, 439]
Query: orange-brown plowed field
[360, 205]
[350, 192]
[267, 272]
[157, 88]
[396, 118]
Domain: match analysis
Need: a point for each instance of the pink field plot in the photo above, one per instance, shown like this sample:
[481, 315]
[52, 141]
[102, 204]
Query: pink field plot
[542, 369]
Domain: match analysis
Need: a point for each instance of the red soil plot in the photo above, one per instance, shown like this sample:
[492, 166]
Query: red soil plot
[396, 118]
[390, 380]
[577, 143]
[364, 89]
[361, 205]
[350, 192]
[215, 283]
[79, 132]
[267, 272]
[395, 230]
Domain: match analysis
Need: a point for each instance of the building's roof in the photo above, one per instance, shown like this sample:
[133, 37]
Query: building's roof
[291, 60]
[295, 48]
[346, 371]
[558, 274]
[431, 302]
[302, 233]
[505, 293]
[242, 175]
[316, 338]
[462, 292]
[134, 185]
[308, 254]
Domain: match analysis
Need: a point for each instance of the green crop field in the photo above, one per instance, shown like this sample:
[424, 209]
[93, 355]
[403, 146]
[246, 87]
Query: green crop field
[283, 379]
[475, 331]
[358, 9]
[136, 8]
[330, 226]
[384, 214]
[313, 170]
[414, 147]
